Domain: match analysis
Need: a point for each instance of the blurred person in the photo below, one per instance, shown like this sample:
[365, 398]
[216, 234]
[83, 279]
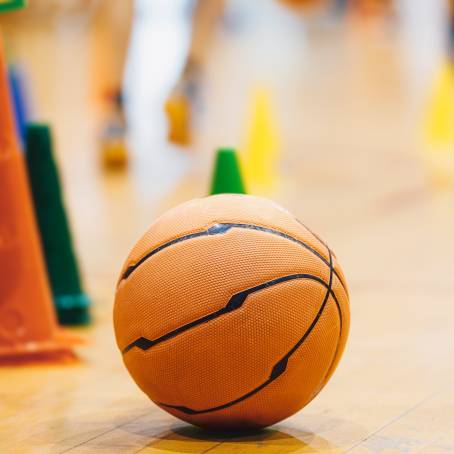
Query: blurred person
[100, 28]
[109, 24]
[205, 19]
[178, 107]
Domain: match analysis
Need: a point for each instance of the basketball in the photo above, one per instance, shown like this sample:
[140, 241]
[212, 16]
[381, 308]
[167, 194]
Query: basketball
[230, 313]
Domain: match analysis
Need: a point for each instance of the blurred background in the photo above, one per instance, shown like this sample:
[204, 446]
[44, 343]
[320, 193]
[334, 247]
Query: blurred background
[340, 110]
[350, 87]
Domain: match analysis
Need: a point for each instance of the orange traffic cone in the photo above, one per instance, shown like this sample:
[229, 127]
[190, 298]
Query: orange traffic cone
[28, 326]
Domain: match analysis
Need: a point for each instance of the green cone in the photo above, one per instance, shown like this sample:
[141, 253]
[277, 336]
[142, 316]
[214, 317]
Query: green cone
[71, 302]
[227, 174]
[7, 5]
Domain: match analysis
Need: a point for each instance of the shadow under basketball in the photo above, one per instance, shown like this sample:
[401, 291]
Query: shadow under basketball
[190, 439]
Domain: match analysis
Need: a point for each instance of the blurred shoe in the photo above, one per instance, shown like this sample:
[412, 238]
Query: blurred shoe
[113, 148]
[179, 107]
[178, 111]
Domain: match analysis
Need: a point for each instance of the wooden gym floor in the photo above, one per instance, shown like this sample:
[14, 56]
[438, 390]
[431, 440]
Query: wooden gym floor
[349, 110]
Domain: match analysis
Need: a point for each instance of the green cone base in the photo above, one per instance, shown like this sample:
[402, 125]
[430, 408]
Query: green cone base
[73, 309]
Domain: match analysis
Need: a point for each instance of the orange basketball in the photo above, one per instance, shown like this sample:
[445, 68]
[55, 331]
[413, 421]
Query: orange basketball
[230, 313]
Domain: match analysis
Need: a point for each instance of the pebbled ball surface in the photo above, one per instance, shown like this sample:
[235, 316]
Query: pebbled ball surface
[230, 313]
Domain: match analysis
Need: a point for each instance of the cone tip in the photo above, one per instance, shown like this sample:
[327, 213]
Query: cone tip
[9, 5]
[37, 127]
[38, 134]
[227, 177]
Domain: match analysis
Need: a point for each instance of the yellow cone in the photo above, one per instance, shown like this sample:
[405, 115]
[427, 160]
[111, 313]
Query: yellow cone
[440, 116]
[260, 151]
[439, 129]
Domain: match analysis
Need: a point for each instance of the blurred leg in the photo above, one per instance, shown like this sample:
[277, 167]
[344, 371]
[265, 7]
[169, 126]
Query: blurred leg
[110, 29]
[205, 20]
[111, 25]
[178, 107]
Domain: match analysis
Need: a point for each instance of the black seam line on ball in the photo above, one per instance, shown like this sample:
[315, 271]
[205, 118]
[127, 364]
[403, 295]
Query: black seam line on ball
[223, 228]
[329, 252]
[313, 234]
[339, 311]
[131, 268]
[234, 303]
[277, 370]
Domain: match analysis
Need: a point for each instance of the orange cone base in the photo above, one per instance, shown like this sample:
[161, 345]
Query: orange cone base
[55, 350]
